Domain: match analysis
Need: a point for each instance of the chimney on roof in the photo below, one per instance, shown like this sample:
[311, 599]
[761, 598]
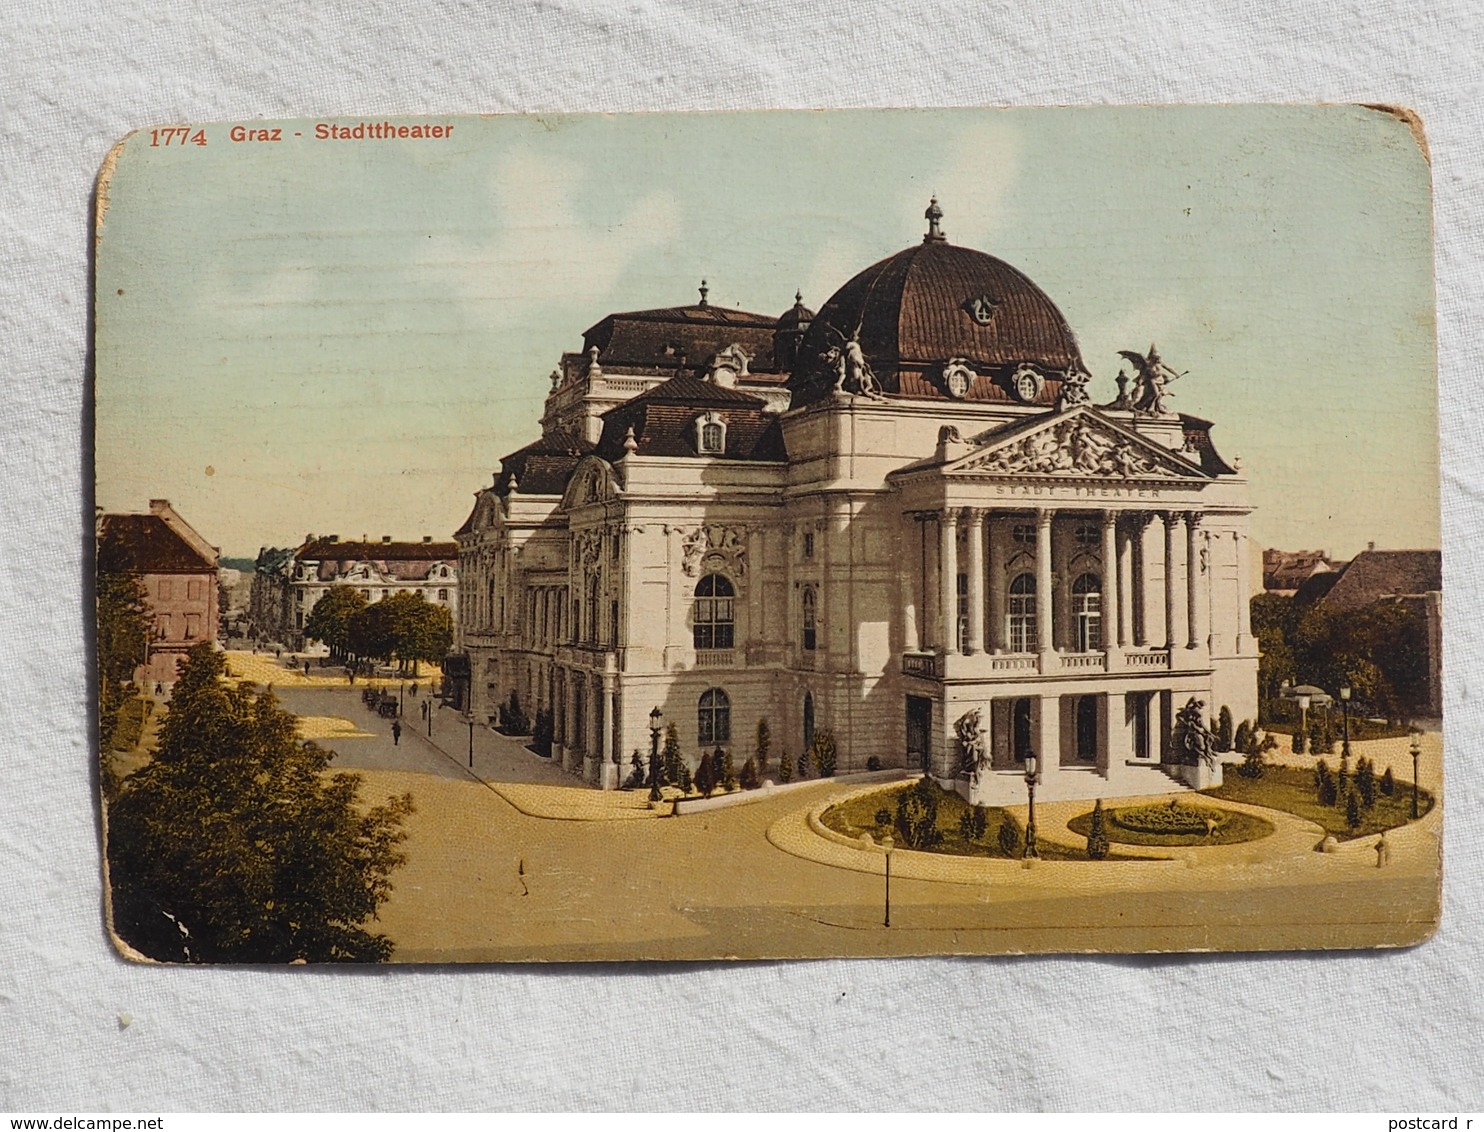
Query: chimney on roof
[1371, 545]
[333, 538]
[427, 538]
[159, 506]
[386, 538]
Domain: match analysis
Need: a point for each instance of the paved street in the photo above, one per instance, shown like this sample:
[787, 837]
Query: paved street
[491, 876]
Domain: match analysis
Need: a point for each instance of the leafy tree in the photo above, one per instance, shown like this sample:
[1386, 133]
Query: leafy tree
[124, 626]
[329, 620]
[1352, 811]
[1365, 782]
[721, 766]
[674, 767]
[636, 772]
[1097, 833]
[234, 846]
[762, 748]
[404, 627]
[1324, 784]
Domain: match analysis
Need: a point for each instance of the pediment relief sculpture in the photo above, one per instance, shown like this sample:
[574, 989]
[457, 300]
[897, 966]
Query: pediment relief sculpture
[715, 546]
[1079, 446]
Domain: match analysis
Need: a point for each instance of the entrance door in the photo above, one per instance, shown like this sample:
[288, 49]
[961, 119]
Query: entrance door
[1020, 729]
[1087, 729]
[919, 730]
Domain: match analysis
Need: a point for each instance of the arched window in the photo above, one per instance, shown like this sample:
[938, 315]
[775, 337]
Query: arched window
[1087, 607]
[714, 718]
[1022, 613]
[592, 610]
[711, 619]
[810, 612]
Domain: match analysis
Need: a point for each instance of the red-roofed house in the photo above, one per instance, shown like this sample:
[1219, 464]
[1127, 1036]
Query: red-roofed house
[178, 570]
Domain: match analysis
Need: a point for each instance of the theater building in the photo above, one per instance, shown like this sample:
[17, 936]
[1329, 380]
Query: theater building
[903, 519]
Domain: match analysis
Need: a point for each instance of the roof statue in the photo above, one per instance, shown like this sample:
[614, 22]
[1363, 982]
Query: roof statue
[1151, 382]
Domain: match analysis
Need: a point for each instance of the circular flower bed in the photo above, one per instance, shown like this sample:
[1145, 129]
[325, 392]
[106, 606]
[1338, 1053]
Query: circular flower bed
[1170, 818]
[1176, 823]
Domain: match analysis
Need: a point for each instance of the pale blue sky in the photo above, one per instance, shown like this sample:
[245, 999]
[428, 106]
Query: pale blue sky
[351, 334]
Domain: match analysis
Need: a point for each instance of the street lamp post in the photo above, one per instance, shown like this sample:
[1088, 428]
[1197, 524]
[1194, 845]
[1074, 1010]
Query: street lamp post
[1345, 746]
[401, 694]
[1416, 755]
[888, 844]
[1303, 731]
[469, 719]
[655, 719]
[1030, 791]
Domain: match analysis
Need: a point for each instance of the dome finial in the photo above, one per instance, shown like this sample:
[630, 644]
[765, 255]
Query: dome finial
[799, 297]
[704, 289]
[932, 216]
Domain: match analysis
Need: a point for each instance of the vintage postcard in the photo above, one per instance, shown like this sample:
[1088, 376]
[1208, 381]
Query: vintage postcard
[768, 535]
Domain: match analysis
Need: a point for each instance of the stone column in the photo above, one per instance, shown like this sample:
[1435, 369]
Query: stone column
[1244, 595]
[976, 580]
[1048, 737]
[1044, 604]
[753, 632]
[948, 580]
[997, 641]
[1125, 584]
[1194, 569]
[1138, 552]
[1112, 592]
[609, 715]
[1171, 518]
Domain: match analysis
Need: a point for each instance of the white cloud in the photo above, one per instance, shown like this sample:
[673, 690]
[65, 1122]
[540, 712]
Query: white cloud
[980, 167]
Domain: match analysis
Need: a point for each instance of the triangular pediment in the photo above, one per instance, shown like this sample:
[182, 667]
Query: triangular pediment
[1078, 444]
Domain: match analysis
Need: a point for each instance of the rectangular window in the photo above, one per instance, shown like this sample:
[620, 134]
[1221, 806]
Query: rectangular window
[165, 594]
[194, 589]
[808, 544]
[193, 626]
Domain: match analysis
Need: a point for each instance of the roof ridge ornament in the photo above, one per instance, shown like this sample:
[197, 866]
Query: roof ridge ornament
[704, 291]
[933, 215]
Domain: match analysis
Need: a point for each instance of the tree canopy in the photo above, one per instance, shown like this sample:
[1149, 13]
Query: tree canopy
[123, 635]
[234, 846]
[329, 620]
[404, 627]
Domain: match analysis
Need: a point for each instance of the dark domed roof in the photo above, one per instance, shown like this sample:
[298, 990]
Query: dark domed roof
[931, 303]
[796, 315]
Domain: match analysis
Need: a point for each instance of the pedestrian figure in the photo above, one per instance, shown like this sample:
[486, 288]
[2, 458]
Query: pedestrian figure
[1383, 853]
[424, 707]
[351, 672]
[414, 691]
[396, 732]
[306, 668]
[278, 654]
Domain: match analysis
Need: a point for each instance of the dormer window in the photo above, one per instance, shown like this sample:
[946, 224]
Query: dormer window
[711, 435]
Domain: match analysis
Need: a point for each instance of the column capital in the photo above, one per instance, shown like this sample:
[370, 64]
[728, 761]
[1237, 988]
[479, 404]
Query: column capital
[1044, 516]
[974, 516]
[1171, 519]
[948, 516]
[1194, 519]
[1110, 517]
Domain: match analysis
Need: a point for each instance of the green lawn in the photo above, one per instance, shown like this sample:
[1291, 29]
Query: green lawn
[858, 815]
[1234, 828]
[1291, 789]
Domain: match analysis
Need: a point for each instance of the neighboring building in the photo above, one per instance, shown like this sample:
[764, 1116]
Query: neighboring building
[377, 569]
[1285, 571]
[878, 520]
[1411, 577]
[268, 598]
[178, 570]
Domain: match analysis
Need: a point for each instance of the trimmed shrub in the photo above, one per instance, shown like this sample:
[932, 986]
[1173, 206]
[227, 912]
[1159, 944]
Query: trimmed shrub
[785, 768]
[1253, 764]
[1324, 784]
[1299, 745]
[1352, 811]
[802, 765]
[973, 823]
[762, 747]
[823, 754]
[917, 814]
[1388, 783]
[513, 717]
[873, 763]
[883, 817]
[1242, 742]
[706, 776]
[1097, 836]
[721, 767]
[1009, 837]
[541, 731]
[748, 778]
[1365, 782]
[1223, 729]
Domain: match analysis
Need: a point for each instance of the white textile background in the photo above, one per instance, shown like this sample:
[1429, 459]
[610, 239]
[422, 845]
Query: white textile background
[1385, 1031]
